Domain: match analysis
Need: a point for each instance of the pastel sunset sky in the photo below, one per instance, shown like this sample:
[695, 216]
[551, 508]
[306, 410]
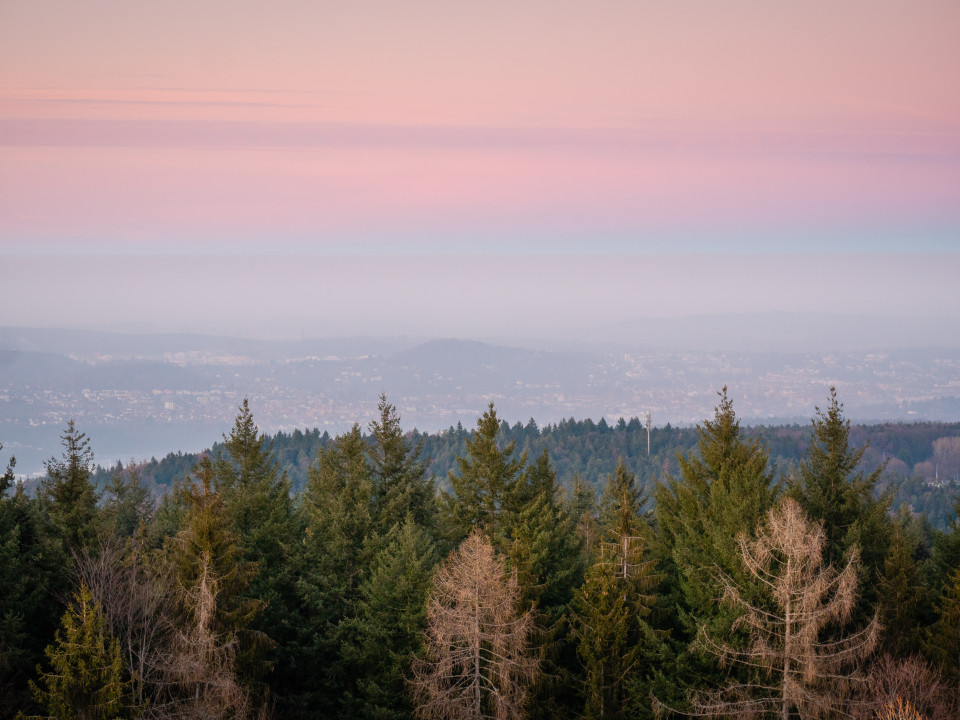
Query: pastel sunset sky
[587, 145]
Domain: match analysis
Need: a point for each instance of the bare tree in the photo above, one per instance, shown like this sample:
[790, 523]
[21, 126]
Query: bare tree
[906, 682]
[797, 671]
[135, 596]
[477, 662]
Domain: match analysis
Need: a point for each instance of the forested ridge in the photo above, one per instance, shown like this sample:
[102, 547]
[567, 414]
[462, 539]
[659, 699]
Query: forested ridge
[591, 451]
[503, 572]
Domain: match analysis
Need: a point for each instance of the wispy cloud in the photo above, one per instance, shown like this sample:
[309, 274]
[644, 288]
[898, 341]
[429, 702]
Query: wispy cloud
[60, 132]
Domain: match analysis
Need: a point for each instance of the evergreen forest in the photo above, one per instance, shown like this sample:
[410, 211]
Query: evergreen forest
[569, 571]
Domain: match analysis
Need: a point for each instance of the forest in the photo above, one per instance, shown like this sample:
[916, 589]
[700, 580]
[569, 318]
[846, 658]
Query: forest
[730, 572]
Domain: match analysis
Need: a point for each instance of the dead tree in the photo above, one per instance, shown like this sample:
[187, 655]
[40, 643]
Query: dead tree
[802, 661]
[477, 662]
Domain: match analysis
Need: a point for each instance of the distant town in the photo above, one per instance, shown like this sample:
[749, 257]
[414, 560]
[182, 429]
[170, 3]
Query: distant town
[150, 403]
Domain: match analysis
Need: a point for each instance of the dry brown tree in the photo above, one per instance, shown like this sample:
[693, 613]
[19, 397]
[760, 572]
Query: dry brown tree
[907, 682]
[135, 595]
[801, 661]
[477, 661]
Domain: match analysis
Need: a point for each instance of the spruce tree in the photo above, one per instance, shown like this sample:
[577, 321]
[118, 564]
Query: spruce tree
[724, 488]
[214, 582]
[832, 490]
[389, 618]
[903, 596]
[611, 611]
[545, 550]
[87, 680]
[128, 501]
[261, 515]
[943, 639]
[487, 487]
[616, 644]
[31, 571]
[336, 555]
[69, 495]
[400, 484]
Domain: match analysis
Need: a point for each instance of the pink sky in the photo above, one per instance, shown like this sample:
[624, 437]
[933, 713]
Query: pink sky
[714, 156]
[435, 126]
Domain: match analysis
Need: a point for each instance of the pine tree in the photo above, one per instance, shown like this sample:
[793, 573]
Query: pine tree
[484, 493]
[87, 680]
[336, 554]
[214, 579]
[903, 597]
[399, 479]
[389, 619]
[725, 487]
[616, 643]
[128, 501]
[833, 491]
[261, 515]
[68, 494]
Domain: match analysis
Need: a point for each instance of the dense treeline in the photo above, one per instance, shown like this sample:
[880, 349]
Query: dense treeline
[925, 481]
[721, 586]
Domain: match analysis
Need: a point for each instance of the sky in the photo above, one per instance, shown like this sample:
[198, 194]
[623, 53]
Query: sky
[424, 166]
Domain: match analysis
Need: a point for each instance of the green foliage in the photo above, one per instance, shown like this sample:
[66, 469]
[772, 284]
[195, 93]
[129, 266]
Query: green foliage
[487, 489]
[87, 680]
[610, 619]
[621, 505]
[68, 493]
[29, 571]
[832, 490]
[388, 621]
[943, 639]
[210, 570]
[261, 516]
[338, 504]
[903, 597]
[400, 484]
[725, 487]
[546, 551]
[128, 502]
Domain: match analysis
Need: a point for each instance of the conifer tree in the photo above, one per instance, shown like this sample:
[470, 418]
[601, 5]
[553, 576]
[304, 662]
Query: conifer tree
[545, 550]
[832, 490]
[87, 680]
[30, 573]
[256, 494]
[389, 619]
[943, 638]
[621, 506]
[68, 494]
[616, 643]
[267, 527]
[903, 597]
[214, 580]
[336, 554]
[723, 488]
[128, 501]
[398, 476]
[484, 493]
[582, 506]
